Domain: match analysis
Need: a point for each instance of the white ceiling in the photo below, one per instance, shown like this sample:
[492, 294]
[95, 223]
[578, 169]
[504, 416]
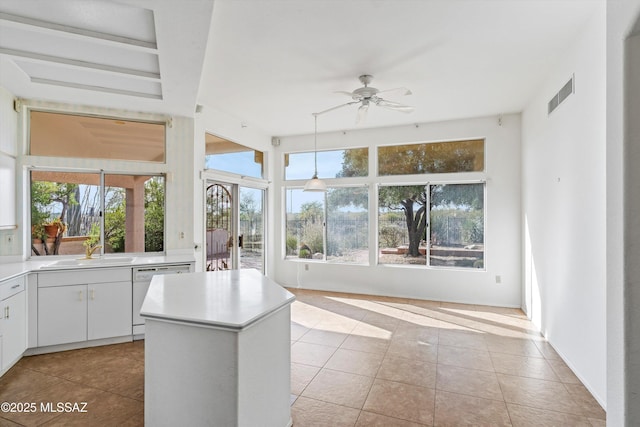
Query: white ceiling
[271, 63]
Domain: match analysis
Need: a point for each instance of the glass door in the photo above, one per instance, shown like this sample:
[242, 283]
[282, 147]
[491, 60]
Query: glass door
[251, 229]
[234, 227]
[219, 226]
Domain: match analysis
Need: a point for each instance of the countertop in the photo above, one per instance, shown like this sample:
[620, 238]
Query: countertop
[40, 264]
[231, 299]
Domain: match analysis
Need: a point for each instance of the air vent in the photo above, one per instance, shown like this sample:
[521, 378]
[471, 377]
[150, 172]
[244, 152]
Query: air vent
[557, 99]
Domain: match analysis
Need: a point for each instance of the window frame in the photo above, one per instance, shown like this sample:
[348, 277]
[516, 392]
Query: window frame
[101, 188]
[427, 264]
[324, 259]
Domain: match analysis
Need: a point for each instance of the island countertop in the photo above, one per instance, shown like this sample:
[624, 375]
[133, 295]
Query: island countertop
[231, 299]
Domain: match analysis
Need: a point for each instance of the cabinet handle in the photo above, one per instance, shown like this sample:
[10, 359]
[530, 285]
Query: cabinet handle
[79, 295]
[93, 294]
[15, 286]
[6, 309]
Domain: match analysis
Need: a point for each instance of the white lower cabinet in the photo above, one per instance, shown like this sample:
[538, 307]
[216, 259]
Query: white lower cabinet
[62, 314]
[109, 310]
[72, 311]
[13, 322]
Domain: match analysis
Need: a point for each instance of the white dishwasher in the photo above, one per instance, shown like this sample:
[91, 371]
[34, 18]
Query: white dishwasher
[141, 280]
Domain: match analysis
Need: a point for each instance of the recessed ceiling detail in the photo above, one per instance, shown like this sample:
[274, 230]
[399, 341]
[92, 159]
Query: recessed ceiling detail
[89, 45]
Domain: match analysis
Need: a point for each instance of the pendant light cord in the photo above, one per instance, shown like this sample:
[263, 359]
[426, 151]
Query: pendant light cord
[315, 146]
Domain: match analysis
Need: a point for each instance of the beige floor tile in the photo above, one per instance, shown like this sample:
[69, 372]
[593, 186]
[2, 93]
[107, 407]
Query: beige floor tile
[107, 409]
[408, 371]
[597, 423]
[524, 416]
[355, 362]
[341, 388]
[510, 345]
[297, 331]
[412, 349]
[465, 358]
[19, 383]
[590, 406]
[8, 423]
[532, 367]
[460, 410]
[311, 354]
[547, 349]
[366, 343]
[337, 324]
[301, 376]
[564, 373]
[468, 381]
[549, 395]
[403, 401]
[328, 338]
[369, 330]
[407, 331]
[426, 317]
[387, 321]
[369, 419]
[460, 338]
[307, 412]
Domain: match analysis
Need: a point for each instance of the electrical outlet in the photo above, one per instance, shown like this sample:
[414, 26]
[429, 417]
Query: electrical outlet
[498, 279]
[306, 267]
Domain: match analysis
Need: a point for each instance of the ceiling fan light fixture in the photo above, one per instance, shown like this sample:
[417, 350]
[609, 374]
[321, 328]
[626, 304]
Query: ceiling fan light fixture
[315, 184]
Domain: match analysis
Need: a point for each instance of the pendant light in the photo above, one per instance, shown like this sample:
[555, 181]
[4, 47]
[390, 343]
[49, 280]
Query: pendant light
[315, 184]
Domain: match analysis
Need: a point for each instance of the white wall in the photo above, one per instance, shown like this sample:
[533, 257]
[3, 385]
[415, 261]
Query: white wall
[502, 233]
[564, 210]
[622, 368]
[8, 153]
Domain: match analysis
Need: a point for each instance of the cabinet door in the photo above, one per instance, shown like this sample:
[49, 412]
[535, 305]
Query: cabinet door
[14, 328]
[62, 314]
[109, 310]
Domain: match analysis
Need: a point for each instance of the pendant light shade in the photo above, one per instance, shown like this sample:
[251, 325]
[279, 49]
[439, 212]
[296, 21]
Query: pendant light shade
[315, 184]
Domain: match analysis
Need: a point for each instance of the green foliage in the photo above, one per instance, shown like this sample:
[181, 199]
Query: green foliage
[94, 236]
[311, 211]
[292, 244]
[115, 219]
[312, 236]
[355, 162]
[154, 215]
[391, 236]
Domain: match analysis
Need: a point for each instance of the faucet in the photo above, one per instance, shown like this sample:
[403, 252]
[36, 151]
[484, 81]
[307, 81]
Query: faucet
[91, 250]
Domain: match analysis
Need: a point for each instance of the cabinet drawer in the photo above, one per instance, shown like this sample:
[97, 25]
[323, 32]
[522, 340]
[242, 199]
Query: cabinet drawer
[11, 287]
[79, 277]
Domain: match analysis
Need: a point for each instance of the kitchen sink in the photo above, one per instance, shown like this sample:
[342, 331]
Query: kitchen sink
[94, 262]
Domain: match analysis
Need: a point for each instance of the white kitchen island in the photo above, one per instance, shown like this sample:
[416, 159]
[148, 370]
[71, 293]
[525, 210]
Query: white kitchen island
[217, 350]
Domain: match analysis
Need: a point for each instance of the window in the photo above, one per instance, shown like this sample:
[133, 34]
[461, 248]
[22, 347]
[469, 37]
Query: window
[344, 211]
[346, 163]
[68, 135]
[435, 157]
[433, 224]
[66, 212]
[224, 155]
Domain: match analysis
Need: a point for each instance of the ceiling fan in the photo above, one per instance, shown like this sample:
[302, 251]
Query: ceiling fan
[367, 95]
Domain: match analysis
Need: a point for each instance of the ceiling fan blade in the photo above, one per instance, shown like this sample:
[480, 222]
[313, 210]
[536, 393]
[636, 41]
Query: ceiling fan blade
[362, 113]
[336, 107]
[399, 91]
[344, 92]
[394, 106]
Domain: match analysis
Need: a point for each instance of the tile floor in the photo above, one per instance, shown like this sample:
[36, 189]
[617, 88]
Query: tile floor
[355, 361]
